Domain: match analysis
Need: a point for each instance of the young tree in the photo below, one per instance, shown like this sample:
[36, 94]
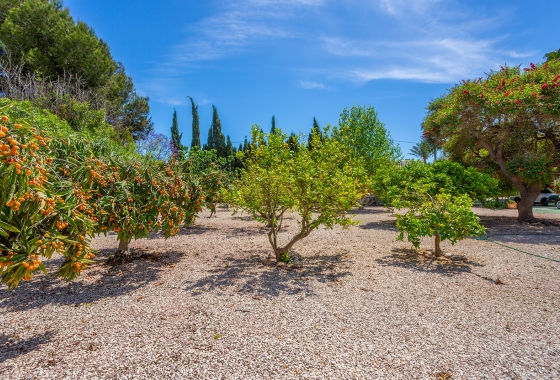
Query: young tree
[195, 126]
[438, 199]
[506, 123]
[319, 185]
[360, 129]
[175, 135]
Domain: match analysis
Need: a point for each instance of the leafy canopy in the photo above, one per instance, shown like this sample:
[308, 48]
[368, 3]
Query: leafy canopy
[320, 185]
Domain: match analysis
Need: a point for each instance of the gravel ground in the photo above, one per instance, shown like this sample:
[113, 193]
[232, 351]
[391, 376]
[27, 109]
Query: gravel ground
[364, 306]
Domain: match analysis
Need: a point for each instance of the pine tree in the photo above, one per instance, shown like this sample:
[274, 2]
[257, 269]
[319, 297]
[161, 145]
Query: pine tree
[175, 135]
[218, 138]
[316, 130]
[195, 125]
[273, 129]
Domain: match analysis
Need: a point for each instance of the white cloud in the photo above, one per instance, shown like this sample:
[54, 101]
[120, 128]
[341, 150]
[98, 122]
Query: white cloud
[312, 85]
[430, 42]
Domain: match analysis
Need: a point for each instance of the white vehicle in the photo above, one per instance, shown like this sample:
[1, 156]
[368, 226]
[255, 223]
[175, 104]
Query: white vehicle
[543, 198]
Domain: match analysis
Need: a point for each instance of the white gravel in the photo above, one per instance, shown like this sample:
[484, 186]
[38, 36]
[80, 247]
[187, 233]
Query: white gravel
[363, 307]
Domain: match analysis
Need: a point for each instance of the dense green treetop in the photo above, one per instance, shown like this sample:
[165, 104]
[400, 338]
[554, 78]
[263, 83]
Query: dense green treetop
[360, 129]
[507, 123]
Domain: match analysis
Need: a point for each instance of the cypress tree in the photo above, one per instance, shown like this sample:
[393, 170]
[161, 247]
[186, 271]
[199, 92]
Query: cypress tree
[230, 150]
[210, 144]
[195, 125]
[273, 129]
[219, 140]
[175, 135]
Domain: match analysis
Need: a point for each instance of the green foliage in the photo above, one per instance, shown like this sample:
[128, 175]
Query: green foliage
[315, 132]
[211, 173]
[195, 126]
[273, 127]
[422, 150]
[506, 124]
[445, 215]
[71, 69]
[41, 209]
[57, 191]
[319, 185]
[45, 38]
[216, 139]
[175, 135]
[360, 129]
[437, 196]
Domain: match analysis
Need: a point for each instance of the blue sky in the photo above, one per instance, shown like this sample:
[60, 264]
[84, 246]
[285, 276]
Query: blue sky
[299, 59]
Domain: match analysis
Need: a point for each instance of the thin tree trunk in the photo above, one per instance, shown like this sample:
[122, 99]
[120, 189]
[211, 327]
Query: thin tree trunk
[123, 246]
[437, 251]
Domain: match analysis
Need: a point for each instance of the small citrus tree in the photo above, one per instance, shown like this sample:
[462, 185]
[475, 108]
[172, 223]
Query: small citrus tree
[437, 198]
[319, 185]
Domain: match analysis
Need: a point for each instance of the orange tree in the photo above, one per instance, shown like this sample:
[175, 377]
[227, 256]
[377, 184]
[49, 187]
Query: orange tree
[134, 197]
[506, 123]
[41, 212]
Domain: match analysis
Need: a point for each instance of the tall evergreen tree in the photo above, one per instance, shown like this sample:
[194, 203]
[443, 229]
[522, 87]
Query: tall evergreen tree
[230, 150]
[273, 128]
[210, 144]
[218, 138]
[195, 125]
[175, 135]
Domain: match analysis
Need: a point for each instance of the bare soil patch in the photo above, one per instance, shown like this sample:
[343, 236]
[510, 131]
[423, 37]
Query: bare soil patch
[364, 306]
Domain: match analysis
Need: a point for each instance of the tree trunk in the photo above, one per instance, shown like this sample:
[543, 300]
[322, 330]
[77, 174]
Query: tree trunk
[525, 206]
[123, 246]
[437, 250]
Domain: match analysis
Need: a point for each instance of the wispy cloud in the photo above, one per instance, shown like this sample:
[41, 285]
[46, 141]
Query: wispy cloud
[312, 85]
[431, 42]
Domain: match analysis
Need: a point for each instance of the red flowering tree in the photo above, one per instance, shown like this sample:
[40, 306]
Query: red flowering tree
[508, 123]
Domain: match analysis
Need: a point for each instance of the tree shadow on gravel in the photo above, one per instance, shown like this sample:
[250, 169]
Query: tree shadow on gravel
[507, 229]
[11, 346]
[384, 225]
[369, 210]
[114, 281]
[411, 259]
[247, 275]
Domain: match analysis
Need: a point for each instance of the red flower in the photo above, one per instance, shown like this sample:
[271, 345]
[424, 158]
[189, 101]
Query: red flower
[556, 78]
[507, 93]
[544, 86]
[466, 92]
[503, 82]
[534, 94]
[533, 65]
[518, 101]
[482, 95]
